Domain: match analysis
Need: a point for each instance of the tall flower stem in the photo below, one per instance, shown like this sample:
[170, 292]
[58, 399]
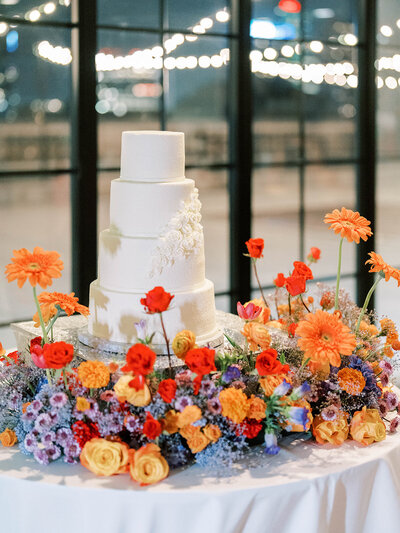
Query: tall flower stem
[304, 304]
[167, 343]
[367, 299]
[48, 375]
[39, 311]
[289, 305]
[253, 260]
[51, 323]
[339, 268]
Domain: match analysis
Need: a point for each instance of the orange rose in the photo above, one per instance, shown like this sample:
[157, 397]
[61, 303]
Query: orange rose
[8, 438]
[367, 427]
[138, 398]
[256, 408]
[104, 457]
[183, 342]
[189, 415]
[234, 404]
[170, 422]
[269, 383]
[330, 431]
[257, 336]
[198, 442]
[255, 248]
[212, 432]
[189, 431]
[265, 314]
[147, 465]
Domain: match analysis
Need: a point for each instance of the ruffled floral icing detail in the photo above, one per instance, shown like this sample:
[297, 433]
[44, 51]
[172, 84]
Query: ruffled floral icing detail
[182, 236]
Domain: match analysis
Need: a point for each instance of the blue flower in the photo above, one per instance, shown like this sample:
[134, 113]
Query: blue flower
[298, 416]
[282, 389]
[231, 374]
[271, 444]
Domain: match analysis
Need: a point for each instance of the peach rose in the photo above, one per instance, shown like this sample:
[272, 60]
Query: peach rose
[189, 431]
[269, 383]
[234, 404]
[138, 398]
[212, 432]
[189, 415]
[331, 431]
[183, 342]
[170, 422]
[257, 336]
[198, 442]
[263, 317]
[256, 408]
[147, 465]
[104, 457]
[367, 427]
[8, 438]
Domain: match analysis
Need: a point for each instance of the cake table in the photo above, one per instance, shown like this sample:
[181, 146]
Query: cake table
[306, 488]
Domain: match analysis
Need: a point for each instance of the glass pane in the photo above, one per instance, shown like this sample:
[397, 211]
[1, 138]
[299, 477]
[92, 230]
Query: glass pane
[129, 89]
[387, 300]
[332, 21]
[388, 23]
[388, 213]
[195, 80]
[33, 10]
[221, 302]
[37, 211]
[327, 188]
[276, 91]
[129, 13]
[275, 208]
[273, 19]
[330, 79]
[200, 17]
[35, 93]
[7, 338]
[214, 199]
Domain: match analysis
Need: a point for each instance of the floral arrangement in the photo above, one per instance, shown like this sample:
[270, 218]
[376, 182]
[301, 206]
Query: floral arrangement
[308, 363]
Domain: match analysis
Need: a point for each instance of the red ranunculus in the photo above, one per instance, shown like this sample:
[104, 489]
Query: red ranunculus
[301, 269]
[292, 329]
[34, 341]
[267, 363]
[14, 356]
[250, 428]
[201, 361]
[280, 280]
[255, 248]
[315, 254]
[138, 382]
[152, 427]
[167, 390]
[84, 432]
[157, 300]
[295, 285]
[58, 354]
[139, 360]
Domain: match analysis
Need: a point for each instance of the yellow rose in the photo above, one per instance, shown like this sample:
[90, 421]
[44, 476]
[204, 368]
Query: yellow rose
[183, 342]
[257, 336]
[138, 398]
[269, 383]
[212, 432]
[189, 415]
[256, 408]
[234, 404]
[82, 404]
[147, 465]
[331, 431]
[198, 442]
[263, 317]
[367, 427]
[8, 438]
[170, 422]
[104, 457]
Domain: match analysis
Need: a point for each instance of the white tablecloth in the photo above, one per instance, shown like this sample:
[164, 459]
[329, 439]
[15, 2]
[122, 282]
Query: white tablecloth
[306, 488]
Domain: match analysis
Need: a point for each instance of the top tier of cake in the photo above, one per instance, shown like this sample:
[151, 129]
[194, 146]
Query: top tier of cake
[152, 156]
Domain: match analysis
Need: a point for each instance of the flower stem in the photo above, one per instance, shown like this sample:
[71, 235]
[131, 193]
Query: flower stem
[339, 268]
[39, 311]
[367, 299]
[65, 380]
[48, 375]
[253, 260]
[303, 302]
[51, 323]
[290, 305]
[167, 343]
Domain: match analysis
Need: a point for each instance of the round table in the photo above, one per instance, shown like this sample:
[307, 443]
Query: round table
[305, 488]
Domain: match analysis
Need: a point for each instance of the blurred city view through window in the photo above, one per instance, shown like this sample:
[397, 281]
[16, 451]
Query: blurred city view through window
[304, 63]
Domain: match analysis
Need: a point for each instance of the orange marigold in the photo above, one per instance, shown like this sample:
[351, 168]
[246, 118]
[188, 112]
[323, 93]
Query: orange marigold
[379, 265]
[350, 224]
[389, 329]
[39, 267]
[67, 302]
[351, 380]
[323, 337]
[234, 404]
[93, 374]
[256, 408]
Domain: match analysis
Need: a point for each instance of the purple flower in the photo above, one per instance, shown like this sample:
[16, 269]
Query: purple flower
[48, 438]
[271, 444]
[59, 399]
[28, 416]
[30, 442]
[214, 406]
[386, 367]
[391, 400]
[384, 379]
[282, 389]
[53, 452]
[330, 413]
[207, 387]
[35, 406]
[14, 401]
[298, 415]
[232, 373]
[141, 329]
[72, 450]
[394, 424]
[382, 407]
[43, 423]
[64, 436]
[132, 424]
[182, 402]
[41, 456]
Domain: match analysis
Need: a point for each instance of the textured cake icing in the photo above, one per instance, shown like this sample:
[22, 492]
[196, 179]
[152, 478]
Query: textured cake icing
[155, 238]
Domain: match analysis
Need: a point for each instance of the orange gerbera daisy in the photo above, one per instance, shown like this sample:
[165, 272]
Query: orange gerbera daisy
[38, 267]
[379, 265]
[351, 380]
[323, 337]
[349, 224]
[67, 302]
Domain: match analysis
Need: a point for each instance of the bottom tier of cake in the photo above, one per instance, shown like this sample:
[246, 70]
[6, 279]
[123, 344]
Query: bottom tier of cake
[113, 314]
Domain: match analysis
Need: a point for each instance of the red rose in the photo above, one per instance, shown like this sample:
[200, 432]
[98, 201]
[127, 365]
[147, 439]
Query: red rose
[250, 428]
[139, 360]
[267, 363]
[280, 280]
[255, 248]
[295, 285]
[201, 361]
[167, 390]
[292, 329]
[301, 269]
[314, 255]
[157, 300]
[58, 354]
[151, 428]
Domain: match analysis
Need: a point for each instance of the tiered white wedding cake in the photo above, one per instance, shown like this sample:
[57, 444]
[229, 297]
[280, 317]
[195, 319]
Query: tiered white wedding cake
[155, 239]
